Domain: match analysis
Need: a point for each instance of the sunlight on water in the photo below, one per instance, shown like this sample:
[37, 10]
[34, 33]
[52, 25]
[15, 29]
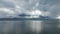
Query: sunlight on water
[36, 26]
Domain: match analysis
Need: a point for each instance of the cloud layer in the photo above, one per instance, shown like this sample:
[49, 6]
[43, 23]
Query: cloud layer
[12, 8]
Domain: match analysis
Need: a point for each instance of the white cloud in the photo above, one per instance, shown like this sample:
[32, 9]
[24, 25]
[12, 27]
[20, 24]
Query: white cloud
[6, 12]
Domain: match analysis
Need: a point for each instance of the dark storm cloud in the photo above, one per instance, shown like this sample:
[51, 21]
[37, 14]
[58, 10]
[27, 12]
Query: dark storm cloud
[46, 4]
[50, 6]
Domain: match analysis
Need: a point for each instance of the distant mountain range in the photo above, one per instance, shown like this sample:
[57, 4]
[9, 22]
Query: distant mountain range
[39, 16]
[13, 19]
[23, 17]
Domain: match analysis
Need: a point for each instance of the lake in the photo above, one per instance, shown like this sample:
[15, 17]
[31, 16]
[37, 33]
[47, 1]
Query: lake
[30, 27]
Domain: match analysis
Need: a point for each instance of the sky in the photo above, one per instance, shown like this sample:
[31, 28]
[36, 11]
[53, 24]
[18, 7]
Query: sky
[12, 8]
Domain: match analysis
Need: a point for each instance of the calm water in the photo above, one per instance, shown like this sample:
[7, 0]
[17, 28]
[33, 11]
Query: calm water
[30, 27]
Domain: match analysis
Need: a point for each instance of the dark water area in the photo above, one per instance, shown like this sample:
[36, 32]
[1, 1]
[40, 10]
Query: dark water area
[30, 27]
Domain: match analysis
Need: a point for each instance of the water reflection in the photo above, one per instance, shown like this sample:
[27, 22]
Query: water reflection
[30, 27]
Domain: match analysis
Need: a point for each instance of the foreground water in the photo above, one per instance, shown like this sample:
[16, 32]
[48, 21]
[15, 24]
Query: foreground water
[30, 27]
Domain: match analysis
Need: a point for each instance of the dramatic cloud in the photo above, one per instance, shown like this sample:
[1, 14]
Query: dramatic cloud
[15, 7]
[51, 7]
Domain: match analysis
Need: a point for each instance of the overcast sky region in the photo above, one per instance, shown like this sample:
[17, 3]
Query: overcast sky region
[12, 8]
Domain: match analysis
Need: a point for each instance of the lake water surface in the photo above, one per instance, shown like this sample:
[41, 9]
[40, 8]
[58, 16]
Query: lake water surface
[30, 27]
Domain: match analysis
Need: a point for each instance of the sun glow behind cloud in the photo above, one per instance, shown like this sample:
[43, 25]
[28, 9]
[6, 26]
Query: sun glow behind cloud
[58, 17]
[35, 13]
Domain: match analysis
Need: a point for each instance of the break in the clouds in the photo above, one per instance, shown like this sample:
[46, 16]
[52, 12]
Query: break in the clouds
[12, 8]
